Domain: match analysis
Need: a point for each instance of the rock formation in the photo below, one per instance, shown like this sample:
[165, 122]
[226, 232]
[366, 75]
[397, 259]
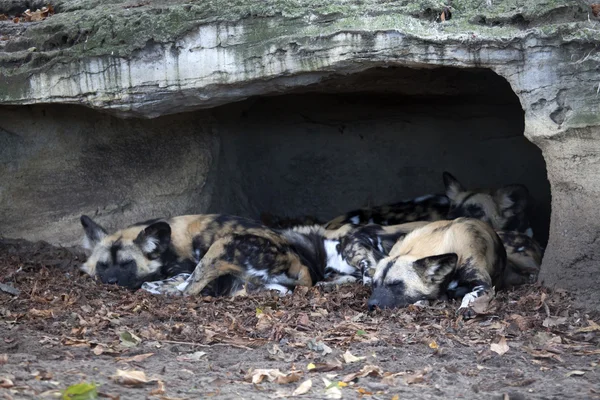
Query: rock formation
[148, 69]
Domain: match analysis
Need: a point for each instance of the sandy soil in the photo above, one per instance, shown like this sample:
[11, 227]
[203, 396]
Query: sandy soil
[63, 329]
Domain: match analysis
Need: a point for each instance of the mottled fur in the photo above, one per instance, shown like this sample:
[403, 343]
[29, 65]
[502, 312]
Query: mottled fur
[281, 260]
[363, 247]
[426, 208]
[454, 258]
[505, 208]
[155, 249]
[524, 258]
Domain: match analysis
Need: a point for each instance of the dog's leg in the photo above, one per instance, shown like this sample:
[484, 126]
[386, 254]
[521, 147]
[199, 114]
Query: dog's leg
[212, 266]
[466, 305]
[338, 280]
[479, 282]
[251, 258]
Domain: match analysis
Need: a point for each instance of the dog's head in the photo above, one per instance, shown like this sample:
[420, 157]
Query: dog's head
[503, 209]
[127, 257]
[404, 280]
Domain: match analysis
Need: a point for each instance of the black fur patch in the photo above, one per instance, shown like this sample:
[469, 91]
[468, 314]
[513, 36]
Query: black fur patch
[312, 254]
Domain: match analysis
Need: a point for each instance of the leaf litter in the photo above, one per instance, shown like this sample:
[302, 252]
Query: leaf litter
[313, 333]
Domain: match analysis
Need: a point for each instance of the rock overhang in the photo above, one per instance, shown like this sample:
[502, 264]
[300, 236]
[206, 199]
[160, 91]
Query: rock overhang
[151, 59]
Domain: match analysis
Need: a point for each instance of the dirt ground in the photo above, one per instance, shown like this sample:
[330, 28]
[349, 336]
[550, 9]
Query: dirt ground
[63, 328]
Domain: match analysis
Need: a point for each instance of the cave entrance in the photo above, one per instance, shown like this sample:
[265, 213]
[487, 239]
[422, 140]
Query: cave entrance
[372, 138]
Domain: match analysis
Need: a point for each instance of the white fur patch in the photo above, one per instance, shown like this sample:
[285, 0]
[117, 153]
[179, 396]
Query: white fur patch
[380, 245]
[355, 220]
[335, 260]
[470, 297]
[280, 288]
[422, 303]
[453, 285]
[422, 198]
[183, 285]
[256, 273]
[87, 243]
[529, 232]
[84, 268]
[340, 280]
[150, 244]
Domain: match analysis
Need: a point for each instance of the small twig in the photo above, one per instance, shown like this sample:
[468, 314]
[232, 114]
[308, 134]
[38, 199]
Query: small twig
[546, 308]
[238, 346]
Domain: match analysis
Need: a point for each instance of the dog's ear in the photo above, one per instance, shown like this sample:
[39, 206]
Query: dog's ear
[513, 198]
[453, 186]
[94, 233]
[154, 240]
[435, 269]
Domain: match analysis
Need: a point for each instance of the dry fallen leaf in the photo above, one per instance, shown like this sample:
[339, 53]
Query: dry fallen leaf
[42, 375]
[131, 378]
[332, 391]
[318, 346]
[159, 390]
[481, 304]
[554, 321]
[292, 377]
[196, 356]
[350, 358]
[41, 313]
[256, 376]
[433, 345]
[521, 322]
[138, 358]
[303, 388]
[324, 367]
[367, 370]
[501, 347]
[6, 383]
[273, 375]
[575, 373]
[592, 327]
[128, 339]
[3, 359]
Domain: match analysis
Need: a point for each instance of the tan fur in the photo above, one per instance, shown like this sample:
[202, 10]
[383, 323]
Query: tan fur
[101, 252]
[442, 237]
[212, 265]
[475, 244]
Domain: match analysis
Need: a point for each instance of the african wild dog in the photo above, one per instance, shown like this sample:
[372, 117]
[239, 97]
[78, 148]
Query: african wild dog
[524, 258]
[273, 259]
[504, 209]
[155, 249]
[362, 247]
[159, 249]
[425, 208]
[459, 258]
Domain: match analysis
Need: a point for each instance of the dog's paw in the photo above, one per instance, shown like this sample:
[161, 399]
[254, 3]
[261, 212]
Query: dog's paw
[466, 312]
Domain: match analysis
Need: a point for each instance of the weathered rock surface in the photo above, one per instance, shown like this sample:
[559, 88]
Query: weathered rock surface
[149, 59]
